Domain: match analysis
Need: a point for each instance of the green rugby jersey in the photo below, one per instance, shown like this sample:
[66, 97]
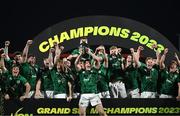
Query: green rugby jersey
[30, 73]
[88, 80]
[148, 78]
[131, 77]
[60, 81]
[169, 83]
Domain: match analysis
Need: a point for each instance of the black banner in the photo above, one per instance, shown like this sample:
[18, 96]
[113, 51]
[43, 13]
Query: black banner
[43, 107]
[101, 30]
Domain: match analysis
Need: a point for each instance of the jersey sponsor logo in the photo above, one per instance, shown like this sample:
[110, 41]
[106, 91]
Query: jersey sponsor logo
[83, 72]
[59, 81]
[169, 81]
[175, 76]
[34, 76]
[86, 80]
[45, 76]
[18, 81]
[148, 77]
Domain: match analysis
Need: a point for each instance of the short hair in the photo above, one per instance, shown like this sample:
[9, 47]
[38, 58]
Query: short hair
[31, 55]
[17, 53]
[87, 59]
[101, 46]
[173, 62]
[148, 58]
[15, 65]
[59, 61]
[113, 47]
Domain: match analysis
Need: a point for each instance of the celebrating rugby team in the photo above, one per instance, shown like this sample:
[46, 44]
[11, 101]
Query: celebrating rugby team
[88, 74]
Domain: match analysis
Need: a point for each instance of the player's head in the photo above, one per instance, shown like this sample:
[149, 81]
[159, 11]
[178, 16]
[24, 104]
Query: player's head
[149, 62]
[15, 70]
[87, 64]
[18, 57]
[67, 62]
[60, 65]
[46, 62]
[100, 49]
[31, 59]
[83, 41]
[113, 50]
[154, 61]
[173, 66]
[129, 58]
[81, 64]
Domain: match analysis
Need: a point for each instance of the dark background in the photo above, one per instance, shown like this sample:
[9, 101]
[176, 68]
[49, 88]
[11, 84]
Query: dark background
[23, 20]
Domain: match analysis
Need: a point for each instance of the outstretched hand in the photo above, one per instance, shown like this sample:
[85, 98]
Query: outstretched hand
[140, 48]
[154, 46]
[132, 50]
[29, 42]
[7, 43]
[52, 50]
[175, 55]
[69, 99]
[166, 50]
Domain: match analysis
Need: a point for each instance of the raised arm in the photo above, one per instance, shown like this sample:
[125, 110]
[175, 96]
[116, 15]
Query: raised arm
[96, 58]
[78, 67]
[106, 62]
[158, 56]
[50, 58]
[2, 64]
[88, 51]
[137, 56]
[58, 51]
[6, 46]
[96, 52]
[154, 46]
[133, 56]
[177, 58]
[163, 57]
[26, 50]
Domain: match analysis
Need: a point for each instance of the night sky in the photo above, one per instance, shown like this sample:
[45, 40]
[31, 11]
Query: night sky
[21, 21]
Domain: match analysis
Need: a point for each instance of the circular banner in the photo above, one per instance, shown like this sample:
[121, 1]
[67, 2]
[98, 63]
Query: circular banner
[101, 30]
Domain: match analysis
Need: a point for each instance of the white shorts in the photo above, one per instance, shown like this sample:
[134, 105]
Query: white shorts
[146, 94]
[31, 93]
[92, 98]
[118, 89]
[165, 96]
[134, 93]
[105, 94]
[63, 96]
[76, 95]
[49, 94]
[40, 96]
